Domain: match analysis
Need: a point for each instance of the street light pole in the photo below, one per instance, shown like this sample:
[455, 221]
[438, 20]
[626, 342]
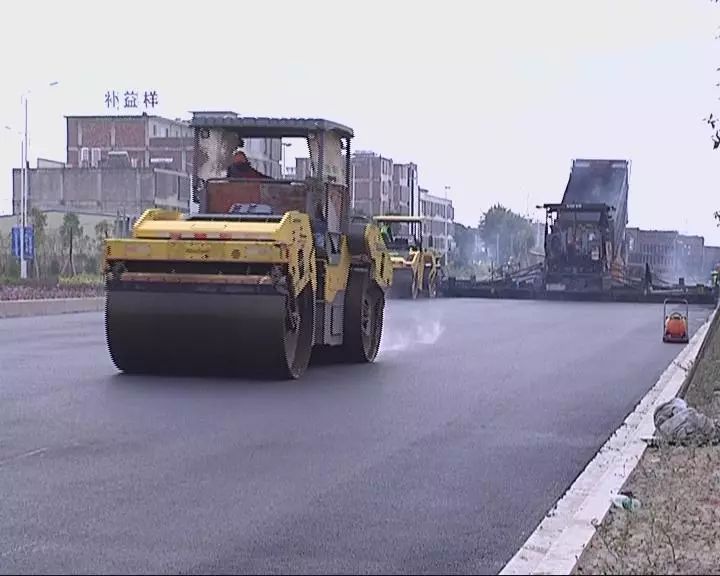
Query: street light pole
[285, 146]
[447, 243]
[352, 183]
[23, 195]
[22, 187]
[24, 192]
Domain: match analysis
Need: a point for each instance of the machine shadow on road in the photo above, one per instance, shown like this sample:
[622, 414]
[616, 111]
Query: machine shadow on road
[409, 328]
[319, 374]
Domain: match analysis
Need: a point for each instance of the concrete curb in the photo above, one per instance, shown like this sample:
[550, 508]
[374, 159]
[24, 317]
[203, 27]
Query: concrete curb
[22, 308]
[557, 543]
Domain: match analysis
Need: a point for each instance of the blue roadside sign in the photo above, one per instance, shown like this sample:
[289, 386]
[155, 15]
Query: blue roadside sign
[29, 242]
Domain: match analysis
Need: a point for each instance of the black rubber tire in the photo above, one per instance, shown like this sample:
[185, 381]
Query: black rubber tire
[414, 288]
[363, 322]
[297, 360]
[404, 285]
[433, 287]
[430, 287]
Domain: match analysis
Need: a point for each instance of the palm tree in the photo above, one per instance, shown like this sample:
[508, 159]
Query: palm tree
[39, 223]
[70, 231]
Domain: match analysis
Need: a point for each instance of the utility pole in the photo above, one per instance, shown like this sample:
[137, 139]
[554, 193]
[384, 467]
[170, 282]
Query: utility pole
[527, 206]
[23, 195]
[447, 243]
[24, 192]
[285, 145]
[352, 184]
[412, 190]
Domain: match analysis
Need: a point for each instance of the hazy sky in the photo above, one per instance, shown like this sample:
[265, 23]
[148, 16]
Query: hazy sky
[492, 98]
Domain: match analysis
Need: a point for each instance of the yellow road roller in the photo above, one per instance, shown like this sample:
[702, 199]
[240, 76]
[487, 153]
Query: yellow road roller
[416, 268]
[264, 276]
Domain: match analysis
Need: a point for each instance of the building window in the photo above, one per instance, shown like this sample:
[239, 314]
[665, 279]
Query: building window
[95, 157]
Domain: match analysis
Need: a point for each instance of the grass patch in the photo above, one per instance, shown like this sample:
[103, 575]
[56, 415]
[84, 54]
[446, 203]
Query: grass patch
[82, 286]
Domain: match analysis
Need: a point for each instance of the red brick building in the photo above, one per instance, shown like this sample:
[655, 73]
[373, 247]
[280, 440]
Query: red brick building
[142, 141]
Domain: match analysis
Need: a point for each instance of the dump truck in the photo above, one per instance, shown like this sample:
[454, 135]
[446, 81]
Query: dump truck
[266, 276]
[585, 249]
[417, 270]
[585, 234]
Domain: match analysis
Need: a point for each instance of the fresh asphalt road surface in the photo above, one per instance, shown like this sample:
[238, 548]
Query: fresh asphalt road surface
[441, 457]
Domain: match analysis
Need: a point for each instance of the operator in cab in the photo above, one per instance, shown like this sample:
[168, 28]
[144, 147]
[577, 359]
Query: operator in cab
[241, 168]
[386, 233]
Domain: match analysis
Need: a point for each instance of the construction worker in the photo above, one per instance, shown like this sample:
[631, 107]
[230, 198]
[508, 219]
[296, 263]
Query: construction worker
[241, 168]
[320, 228]
[386, 233]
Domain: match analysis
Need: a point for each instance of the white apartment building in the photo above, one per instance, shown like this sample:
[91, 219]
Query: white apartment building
[438, 217]
[372, 176]
[265, 155]
[405, 198]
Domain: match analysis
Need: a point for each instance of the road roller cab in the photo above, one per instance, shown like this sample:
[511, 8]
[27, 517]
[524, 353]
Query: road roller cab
[267, 275]
[675, 325]
[416, 267]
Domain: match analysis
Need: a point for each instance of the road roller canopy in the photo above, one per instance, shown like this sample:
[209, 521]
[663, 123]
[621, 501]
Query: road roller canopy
[256, 127]
[397, 218]
[220, 143]
[229, 178]
[400, 233]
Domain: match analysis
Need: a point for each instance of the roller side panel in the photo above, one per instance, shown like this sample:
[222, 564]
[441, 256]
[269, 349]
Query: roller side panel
[367, 248]
[329, 317]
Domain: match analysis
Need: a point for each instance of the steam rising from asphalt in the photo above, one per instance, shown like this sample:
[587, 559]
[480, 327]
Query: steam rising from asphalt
[686, 268]
[409, 334]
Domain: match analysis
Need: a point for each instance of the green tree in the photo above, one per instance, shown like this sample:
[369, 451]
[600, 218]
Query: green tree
[464, 253]
[102, 231]
[9, 266]
[70, 233]
[712, 120]
[507, 234]
[714, 123]
[39, 224]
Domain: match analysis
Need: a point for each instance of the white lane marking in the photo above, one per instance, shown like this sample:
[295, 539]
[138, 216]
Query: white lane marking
[23, 455]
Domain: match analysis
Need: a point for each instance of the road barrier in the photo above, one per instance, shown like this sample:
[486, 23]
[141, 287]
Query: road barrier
[20, 308]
